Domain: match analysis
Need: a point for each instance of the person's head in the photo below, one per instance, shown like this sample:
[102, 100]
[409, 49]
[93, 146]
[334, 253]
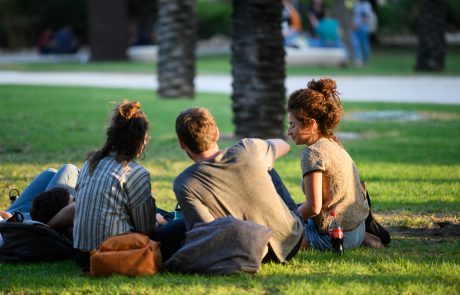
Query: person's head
[47, 204]
[196, 129]
[314, 112]
[126, 134]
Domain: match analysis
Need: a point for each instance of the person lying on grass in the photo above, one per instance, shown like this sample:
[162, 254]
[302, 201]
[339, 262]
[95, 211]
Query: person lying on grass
[46, 195]
[330, 177]
[49, 199]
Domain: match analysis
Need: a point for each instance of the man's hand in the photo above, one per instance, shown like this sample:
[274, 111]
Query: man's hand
[161, 219]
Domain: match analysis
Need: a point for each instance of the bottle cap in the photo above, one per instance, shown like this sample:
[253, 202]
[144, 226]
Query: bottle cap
[333, 214]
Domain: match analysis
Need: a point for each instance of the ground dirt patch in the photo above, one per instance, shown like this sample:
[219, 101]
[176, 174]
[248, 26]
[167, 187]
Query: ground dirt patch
[425, 227]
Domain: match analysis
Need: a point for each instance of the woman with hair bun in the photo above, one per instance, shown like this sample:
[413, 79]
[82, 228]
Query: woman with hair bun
[330, 177]
[113, 191]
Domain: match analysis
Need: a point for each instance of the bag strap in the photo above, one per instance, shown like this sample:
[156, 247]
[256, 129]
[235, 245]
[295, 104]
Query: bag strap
[13, 194]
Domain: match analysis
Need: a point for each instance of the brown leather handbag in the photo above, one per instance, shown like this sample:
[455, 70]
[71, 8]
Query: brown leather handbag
[131, 254]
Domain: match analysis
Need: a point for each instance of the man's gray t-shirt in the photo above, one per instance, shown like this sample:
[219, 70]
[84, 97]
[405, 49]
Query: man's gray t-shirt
[237, 183]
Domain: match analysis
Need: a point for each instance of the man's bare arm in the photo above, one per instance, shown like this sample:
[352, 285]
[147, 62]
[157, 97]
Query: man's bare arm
[281, 147]
[64, 218]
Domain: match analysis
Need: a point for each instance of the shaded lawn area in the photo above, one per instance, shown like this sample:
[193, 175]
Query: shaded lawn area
[412, 169]
[384, 61]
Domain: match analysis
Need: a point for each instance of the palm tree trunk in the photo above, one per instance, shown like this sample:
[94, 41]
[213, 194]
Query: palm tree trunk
[108, 29]
[431, 38]
[177, 42]
[258, 69]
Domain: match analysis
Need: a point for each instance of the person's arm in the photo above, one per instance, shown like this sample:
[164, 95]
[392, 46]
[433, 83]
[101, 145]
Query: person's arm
[142, 207]
[313, 183]
[144, 217]
[64, 218]
[281, 147]
[5, 215]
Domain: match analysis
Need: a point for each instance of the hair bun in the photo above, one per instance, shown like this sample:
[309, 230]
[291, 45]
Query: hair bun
[128, 109]
[327, 87]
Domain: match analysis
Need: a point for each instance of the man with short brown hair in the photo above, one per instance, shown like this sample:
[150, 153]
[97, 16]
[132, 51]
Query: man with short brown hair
[237, 181]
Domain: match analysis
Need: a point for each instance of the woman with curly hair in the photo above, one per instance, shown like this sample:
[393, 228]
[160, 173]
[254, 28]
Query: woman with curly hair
[330, 179]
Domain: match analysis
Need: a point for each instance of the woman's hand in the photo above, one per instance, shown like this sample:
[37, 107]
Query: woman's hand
[161, 219]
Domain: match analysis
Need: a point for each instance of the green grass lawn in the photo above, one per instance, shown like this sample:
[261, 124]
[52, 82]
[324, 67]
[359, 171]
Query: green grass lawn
[412, 169]
[384, 62]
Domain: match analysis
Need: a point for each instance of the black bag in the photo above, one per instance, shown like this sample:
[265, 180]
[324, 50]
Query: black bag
[32, 241]
[372, 226]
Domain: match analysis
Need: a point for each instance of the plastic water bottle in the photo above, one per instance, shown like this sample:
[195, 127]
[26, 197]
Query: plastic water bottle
[336, 234]
[178, 212]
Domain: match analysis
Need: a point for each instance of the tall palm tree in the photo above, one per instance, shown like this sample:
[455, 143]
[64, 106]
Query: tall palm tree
[258, 69]
[432, 43]
[177, 41]
[108, 29]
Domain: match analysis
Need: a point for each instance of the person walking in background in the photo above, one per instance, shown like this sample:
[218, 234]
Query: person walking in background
[362, 16]
[330, 179]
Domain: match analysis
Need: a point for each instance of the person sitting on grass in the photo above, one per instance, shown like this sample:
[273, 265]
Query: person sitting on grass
[238, 181]
[114, 192]
[330, 179]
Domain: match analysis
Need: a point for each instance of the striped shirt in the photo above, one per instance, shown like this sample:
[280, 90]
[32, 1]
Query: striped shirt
[113, 200]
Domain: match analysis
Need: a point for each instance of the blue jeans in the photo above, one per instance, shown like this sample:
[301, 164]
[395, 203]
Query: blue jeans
[361, 44]
[351, 239]
[65, 177]
[283, 192]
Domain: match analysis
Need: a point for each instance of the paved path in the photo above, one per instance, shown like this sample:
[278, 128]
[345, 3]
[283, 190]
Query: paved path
[422, 89]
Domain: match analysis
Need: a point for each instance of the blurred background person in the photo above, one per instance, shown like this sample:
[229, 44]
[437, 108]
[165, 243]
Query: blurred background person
[291, 24]
[362, 16]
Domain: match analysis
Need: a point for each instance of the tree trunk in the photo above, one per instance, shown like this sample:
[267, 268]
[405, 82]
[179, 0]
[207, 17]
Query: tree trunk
[177, 42]
[431, 38]
[258, 69]
[342, 10]
[108, 29]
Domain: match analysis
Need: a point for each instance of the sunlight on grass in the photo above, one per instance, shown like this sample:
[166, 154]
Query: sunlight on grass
[412, 171]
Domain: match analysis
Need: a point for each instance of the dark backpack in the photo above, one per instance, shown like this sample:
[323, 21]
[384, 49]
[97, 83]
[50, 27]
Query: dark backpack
[372, 226]
[32, 241]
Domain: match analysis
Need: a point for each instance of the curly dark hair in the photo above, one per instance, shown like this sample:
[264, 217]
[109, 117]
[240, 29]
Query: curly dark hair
[47, 204]
[125, 135]
[319, 101]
